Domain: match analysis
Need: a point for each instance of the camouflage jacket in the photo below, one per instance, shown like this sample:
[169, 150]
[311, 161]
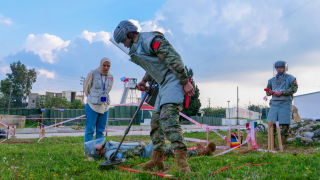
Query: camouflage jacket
[290, 91]
[170, 57]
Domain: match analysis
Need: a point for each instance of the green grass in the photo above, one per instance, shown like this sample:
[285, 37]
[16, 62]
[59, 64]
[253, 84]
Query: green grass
[63, 158]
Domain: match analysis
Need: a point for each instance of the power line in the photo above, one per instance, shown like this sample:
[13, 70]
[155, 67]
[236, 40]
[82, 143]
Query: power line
[254, 33]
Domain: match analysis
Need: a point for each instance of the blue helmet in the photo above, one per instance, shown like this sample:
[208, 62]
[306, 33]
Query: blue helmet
[122, 30]
[280, 64]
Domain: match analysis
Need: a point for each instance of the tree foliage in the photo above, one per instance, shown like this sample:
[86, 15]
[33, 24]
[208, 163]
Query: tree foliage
[22, 79]
[213, 111]
[49, 101]
[194, 102]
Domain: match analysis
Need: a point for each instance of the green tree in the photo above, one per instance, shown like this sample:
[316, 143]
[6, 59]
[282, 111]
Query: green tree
[22, 79]
[53, 102]
[211, 111]
[194, 102]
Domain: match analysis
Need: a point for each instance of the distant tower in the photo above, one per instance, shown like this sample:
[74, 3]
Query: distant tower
[129, 94]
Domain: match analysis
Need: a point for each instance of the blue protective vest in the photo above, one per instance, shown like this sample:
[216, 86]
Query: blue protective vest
[142, 55]
[96, 91]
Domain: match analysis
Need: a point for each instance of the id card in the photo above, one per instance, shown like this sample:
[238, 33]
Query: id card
[103, 99]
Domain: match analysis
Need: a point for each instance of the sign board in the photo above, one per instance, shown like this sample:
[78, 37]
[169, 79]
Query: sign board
[61, 110]
[43, 110]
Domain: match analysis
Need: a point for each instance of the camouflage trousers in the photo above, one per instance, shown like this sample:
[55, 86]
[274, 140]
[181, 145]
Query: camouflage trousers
[284, 128]
[137, 151]
[166, 123]
[169, 152]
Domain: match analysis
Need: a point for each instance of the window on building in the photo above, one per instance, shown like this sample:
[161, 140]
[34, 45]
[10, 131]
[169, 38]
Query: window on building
[32, 101]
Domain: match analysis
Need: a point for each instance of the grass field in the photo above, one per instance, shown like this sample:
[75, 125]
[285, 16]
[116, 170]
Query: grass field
[63, 158]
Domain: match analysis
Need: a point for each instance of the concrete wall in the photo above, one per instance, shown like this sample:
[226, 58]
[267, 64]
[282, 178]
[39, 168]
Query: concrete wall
[14, 120]
[243, 113]
[308, 105]
[33, 98]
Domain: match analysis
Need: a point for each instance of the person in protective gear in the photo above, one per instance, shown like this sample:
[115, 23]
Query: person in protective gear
[99, 148]
[284, 86]
[97, 87]
[153, 52]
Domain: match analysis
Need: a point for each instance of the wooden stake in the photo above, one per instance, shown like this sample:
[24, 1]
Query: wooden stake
[8, 133]
[13, 132]
[279, 136]
[270, 136]
[207, 128]
[61, 118]
[55, 121]
[239, 136]
[229, 137]
[43, 132]
[40, 132]
[249, 142]
[42, 119]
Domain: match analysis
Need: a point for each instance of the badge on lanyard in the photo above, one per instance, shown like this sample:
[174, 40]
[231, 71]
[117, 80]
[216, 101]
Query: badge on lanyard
[103, 98]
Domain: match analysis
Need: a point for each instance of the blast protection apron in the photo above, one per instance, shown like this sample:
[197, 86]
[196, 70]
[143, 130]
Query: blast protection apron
[171, 90]
[97, 91]
[281, 107]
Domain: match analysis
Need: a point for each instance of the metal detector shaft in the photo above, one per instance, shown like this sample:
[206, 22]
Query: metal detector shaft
[132, 120]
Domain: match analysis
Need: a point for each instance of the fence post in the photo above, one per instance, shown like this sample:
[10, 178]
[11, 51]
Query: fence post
[207, 128]
[239, 134]
[248, 133]
[270, 136]
[229, 136]
[279, 136]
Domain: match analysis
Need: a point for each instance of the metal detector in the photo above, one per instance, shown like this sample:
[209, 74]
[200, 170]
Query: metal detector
[114, 160]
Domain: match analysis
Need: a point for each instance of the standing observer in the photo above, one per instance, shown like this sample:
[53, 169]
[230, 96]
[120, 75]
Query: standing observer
[97, 86]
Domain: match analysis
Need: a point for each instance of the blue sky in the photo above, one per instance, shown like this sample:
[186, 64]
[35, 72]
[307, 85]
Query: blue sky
[64, 40]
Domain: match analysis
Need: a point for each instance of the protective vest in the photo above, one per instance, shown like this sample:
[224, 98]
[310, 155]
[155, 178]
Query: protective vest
[142, 54]
[96, 91]
[281, 84]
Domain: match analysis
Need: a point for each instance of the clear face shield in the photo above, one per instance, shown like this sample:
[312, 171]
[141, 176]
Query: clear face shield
[120, 46]
[93, 148]
[280, 65]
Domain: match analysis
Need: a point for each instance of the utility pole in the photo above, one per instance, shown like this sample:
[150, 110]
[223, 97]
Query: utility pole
[10, 97]
[82, 79]
[229, 109]
[209, 102]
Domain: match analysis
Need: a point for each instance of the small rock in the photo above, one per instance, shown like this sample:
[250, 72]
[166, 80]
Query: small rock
[308, 127]
[309, 134]
[298, 136]
[293, 126]
[315, 139]
[303, 134]
[291, 139]
[306, 140]
[316, 133]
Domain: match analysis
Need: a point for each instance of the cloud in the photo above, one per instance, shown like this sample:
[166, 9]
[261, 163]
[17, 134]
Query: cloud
[46, 73]
[5, 69]
[5, 20]
[96, 37]
[44, 45]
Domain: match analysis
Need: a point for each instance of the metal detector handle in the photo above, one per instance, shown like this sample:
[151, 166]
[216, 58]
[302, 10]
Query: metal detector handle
[132, 120]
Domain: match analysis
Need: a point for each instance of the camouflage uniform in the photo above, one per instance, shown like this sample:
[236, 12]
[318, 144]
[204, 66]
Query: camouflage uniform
[165, 119]
[137, 151]
[288, 92]
[169, 152]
